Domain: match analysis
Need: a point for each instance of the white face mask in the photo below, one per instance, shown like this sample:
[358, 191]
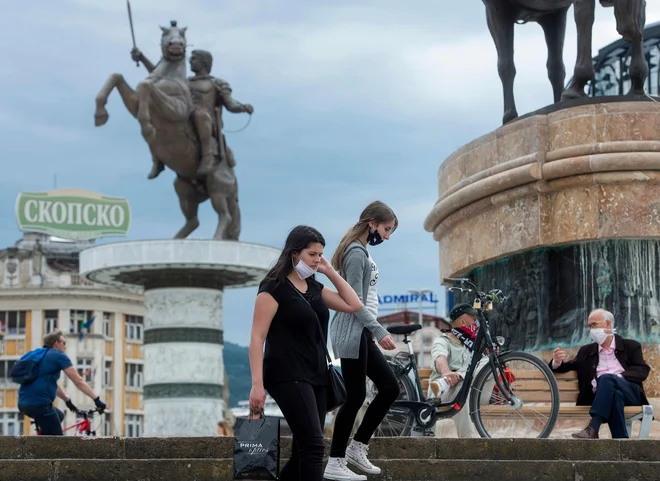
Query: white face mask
[599, 335]
[303, 270]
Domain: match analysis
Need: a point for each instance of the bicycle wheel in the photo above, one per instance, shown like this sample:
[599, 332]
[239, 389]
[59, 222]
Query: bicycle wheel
[397, 422]
[535, 411]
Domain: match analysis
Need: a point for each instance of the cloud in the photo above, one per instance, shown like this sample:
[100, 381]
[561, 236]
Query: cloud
[11, 121]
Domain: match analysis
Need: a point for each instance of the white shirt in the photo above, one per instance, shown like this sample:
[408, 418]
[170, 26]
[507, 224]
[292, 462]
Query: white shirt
[372, 294]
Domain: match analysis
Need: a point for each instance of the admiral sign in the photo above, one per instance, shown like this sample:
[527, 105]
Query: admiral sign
[407, 299]
[73, 214]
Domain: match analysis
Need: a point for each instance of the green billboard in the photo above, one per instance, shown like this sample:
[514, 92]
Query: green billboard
[73, 214]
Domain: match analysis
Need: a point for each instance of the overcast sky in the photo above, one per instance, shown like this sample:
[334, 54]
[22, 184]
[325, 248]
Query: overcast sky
[352, 104]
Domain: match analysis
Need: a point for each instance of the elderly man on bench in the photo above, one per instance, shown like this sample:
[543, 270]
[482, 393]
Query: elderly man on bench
[610, 375]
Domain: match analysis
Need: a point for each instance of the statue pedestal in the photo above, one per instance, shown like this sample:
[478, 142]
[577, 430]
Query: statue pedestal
[183, 281]
[560, 210]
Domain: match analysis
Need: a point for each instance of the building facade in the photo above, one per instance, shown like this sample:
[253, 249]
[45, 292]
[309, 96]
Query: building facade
[41, 291]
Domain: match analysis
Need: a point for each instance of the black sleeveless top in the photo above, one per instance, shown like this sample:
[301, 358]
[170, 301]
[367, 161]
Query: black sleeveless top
[294, 345]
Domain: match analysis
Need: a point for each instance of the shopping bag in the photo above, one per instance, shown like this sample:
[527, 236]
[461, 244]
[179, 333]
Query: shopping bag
[257, 448]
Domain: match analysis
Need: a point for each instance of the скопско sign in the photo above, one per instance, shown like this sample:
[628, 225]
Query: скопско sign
[73, 214]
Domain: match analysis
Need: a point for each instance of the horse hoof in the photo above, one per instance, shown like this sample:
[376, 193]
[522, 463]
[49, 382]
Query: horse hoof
[509, 116]
[572, 94]
[101, 117]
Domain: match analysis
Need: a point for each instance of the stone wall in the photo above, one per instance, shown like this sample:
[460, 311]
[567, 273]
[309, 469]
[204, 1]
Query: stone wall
[582, 173]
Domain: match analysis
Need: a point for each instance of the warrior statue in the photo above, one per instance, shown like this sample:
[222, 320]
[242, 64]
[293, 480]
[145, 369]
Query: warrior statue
[182, 124]
[210, 95]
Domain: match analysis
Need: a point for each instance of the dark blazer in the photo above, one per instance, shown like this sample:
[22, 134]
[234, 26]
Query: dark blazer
[629, 354]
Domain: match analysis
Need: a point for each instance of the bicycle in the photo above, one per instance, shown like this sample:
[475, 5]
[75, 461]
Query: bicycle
[84, 425]
[500, 388]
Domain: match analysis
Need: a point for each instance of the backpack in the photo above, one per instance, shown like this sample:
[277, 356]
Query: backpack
[26, 370]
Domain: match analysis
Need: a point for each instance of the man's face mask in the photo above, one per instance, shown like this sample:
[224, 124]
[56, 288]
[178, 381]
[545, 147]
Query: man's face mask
[599, 335]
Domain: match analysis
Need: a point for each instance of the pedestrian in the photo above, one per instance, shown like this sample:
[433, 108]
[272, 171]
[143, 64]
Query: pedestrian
[291, 315]
[354, 337]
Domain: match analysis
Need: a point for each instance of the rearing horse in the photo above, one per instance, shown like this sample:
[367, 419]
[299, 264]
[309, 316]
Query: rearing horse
[163, 105]
[502, 15]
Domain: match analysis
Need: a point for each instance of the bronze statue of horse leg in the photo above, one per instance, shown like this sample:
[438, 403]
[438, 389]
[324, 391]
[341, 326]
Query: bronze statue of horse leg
[554, 28]
[500, 16]
[584, 69]
[630, 19]
[128, 95]
[144, 115]
[220, 187]
[189, 202]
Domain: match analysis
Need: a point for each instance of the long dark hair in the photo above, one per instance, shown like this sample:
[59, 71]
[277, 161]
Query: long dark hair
[298, 239]
[377, 212]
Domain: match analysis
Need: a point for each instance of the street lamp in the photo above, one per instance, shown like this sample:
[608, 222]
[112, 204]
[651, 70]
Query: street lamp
[420, 320]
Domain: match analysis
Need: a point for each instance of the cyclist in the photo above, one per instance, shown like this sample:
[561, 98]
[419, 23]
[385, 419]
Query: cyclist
[36, 399]
[451, 354]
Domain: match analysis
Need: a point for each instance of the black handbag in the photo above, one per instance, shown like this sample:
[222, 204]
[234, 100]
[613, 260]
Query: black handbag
[336, 386]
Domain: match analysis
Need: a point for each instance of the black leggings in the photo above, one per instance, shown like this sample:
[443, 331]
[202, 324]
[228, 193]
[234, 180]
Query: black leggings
[304, 408]
[371, 362]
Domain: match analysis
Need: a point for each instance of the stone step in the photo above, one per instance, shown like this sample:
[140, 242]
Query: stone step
[53, 448]
[393, 470]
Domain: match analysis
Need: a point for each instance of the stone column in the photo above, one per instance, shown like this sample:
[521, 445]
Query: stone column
[184, 370]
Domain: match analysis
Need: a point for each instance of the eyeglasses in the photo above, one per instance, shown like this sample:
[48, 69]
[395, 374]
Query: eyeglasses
[62, 341]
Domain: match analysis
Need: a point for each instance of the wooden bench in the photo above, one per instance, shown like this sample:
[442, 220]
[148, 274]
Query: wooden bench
[533, 389]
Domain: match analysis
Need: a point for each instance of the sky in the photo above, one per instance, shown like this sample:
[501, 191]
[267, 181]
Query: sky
[354, 102]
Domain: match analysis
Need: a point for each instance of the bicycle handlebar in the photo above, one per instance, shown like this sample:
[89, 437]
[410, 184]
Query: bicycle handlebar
[494, 295]
[90, 412]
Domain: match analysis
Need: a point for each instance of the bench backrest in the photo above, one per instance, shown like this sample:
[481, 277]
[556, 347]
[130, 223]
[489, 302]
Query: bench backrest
[532, 383]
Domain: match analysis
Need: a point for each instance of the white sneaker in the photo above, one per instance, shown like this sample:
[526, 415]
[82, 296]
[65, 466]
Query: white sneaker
[336, 469]
[357, 454]
[438, 387]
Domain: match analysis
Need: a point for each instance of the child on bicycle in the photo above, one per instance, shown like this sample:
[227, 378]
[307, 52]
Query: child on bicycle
[451, 354]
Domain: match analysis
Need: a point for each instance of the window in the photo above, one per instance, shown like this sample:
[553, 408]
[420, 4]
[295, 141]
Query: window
[50, 321]
[107, 374]
[107, 424]
[5, 371]
[133, 375]
[13, 322]
[133, 425]
[84, 367]
[11, 424]
[108, 317]
[134, 325]
[78, 320]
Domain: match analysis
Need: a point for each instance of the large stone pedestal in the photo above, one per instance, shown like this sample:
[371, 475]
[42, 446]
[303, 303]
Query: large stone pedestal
[562, 212]
[183, 282]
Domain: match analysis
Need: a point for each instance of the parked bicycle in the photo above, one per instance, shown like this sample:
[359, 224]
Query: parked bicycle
[82, 427]
[514, 395]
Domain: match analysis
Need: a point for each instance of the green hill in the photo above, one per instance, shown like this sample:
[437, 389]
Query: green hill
[237, 364]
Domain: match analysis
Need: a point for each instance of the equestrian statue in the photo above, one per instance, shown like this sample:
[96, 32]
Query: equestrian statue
[181, 121]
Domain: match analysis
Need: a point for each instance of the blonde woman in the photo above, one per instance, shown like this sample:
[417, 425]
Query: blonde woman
[354, 337]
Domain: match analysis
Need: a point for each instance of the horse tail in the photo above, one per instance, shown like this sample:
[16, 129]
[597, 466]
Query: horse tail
[234, 228]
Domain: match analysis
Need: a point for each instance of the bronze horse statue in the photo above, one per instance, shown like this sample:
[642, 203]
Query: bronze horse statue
[502, 15]
[163, 105]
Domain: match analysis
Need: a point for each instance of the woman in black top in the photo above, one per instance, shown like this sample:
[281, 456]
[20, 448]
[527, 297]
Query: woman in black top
[293, 367]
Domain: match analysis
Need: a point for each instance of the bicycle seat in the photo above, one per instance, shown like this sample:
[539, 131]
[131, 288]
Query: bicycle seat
[404, 328]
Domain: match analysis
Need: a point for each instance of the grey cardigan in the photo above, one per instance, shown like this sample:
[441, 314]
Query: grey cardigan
[346, 328]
